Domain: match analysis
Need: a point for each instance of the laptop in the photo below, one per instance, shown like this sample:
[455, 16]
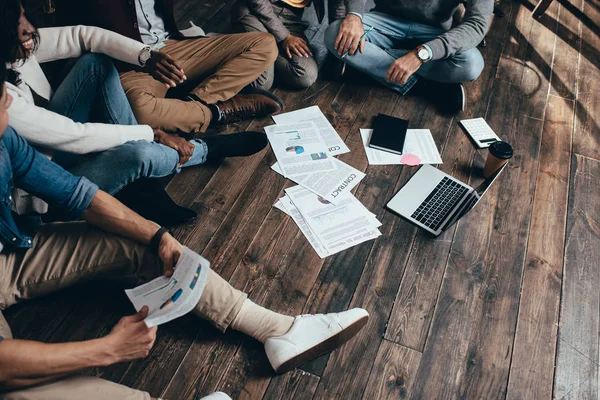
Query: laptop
[434, 200]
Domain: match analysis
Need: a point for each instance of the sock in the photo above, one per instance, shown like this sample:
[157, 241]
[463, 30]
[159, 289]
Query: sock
[214, 109]
[260, 323]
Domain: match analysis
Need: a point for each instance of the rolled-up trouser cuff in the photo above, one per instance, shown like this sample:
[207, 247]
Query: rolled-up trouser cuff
[220, 302]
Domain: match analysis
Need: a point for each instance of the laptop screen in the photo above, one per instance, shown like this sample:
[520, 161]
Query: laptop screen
[473, 199]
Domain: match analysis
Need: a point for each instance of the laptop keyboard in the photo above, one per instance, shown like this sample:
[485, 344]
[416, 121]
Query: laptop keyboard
[439, 203]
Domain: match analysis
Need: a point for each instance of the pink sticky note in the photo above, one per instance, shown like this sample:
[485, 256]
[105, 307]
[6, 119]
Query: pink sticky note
[410, 159]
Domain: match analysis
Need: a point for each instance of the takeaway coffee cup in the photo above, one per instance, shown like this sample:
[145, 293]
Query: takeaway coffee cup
[498, 155]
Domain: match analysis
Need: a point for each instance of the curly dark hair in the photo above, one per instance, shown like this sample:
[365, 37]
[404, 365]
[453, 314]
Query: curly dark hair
[11, 48]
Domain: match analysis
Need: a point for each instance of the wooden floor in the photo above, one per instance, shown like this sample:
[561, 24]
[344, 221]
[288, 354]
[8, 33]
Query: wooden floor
[504, 305]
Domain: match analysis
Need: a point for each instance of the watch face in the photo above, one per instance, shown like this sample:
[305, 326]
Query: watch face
[423, 54]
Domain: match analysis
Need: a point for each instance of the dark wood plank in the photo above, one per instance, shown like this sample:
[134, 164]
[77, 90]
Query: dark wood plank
[378, 266]
[467, 353]
[415, 303]
[393, 372]
[297, 385]
[292, 266]
[341, 273]
[538, 61]
[514, 46]
[532, 367]
[586, 140]
[577, 361]
[541, 8]
[568, 43]
[248, 265]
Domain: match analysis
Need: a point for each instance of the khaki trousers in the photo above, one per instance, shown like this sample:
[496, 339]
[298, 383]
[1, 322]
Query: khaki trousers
[65, 254]
[217, 68]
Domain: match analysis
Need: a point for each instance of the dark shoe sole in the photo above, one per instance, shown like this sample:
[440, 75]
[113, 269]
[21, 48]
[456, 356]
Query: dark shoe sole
[324, 347]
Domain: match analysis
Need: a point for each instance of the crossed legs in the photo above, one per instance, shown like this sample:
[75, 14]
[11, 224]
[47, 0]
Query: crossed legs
[217, 69]
[392, 38]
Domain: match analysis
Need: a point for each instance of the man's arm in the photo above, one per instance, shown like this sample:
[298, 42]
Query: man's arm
[263, 10]
[467, 34]
[78, 197]
[109, 214]
[25, 363]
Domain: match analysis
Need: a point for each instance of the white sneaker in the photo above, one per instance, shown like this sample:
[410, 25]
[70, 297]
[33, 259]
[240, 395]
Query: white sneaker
[313, 335]
[216, 396]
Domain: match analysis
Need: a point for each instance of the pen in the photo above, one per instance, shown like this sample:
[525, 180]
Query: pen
[364, 35]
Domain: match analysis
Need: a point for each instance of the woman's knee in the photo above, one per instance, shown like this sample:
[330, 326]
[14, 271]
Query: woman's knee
[100, 64]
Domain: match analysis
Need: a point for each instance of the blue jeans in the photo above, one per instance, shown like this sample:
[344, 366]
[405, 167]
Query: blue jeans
[92, 92]
[393, 37]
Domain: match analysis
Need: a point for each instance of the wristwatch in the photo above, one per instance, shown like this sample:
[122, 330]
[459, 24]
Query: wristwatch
[423, 54]
[144, 56]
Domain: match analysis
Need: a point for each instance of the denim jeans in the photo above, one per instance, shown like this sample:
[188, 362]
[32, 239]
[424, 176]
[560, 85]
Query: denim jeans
[92, 92]
[391, 38]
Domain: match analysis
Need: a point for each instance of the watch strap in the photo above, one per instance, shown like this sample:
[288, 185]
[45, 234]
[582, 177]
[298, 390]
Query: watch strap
[144, 56]
[155, 241]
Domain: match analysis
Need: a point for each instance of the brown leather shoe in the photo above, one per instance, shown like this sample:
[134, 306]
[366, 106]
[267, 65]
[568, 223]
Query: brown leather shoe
[246, 106]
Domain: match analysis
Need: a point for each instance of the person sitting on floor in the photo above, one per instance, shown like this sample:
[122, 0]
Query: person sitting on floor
[111, 156]
[295, 66]
[207, 72]
[413, 42]
[113, 242]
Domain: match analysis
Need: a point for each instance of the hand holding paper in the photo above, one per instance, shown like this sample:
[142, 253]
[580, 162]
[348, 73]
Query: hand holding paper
[169, 298]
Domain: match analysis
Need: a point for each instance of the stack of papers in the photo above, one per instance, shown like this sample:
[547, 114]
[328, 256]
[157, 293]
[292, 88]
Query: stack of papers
[305, 143]
[419, 148]
[331, 218]
[329, 228]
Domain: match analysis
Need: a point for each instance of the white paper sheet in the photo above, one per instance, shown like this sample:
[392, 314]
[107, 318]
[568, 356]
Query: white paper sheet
[419, 148]
[335, 144]
[337, 227]
[169, 298]
[331, 185]
[299, 149]
[293, 212]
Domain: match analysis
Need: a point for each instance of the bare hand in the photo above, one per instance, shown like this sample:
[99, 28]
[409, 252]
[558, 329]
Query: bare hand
[165, 69]
[130, 339]
[348, 37]
[169, 251]
[403, 68]
[296, 45]
[177, 143]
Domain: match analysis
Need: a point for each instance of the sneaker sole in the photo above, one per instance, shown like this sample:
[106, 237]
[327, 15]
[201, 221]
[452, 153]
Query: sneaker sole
[324, 347]
[464, 98]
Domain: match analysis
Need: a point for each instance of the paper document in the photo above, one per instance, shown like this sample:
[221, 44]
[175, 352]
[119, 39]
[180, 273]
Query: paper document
[169, 298]
[299, 149]
[331, 185]
[419, 148]
[290, 209]
[337, 227]
[335, 144]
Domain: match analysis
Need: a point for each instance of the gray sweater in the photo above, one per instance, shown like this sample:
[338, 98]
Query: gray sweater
[466, 35]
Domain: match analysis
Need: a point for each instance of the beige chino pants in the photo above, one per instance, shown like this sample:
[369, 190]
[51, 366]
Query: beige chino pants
[66, 254]
[217, 68]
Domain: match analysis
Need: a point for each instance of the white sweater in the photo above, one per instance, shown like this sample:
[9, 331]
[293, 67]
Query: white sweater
[51, 131]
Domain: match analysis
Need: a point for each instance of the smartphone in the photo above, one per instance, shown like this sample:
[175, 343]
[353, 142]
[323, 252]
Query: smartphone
[389, 134]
